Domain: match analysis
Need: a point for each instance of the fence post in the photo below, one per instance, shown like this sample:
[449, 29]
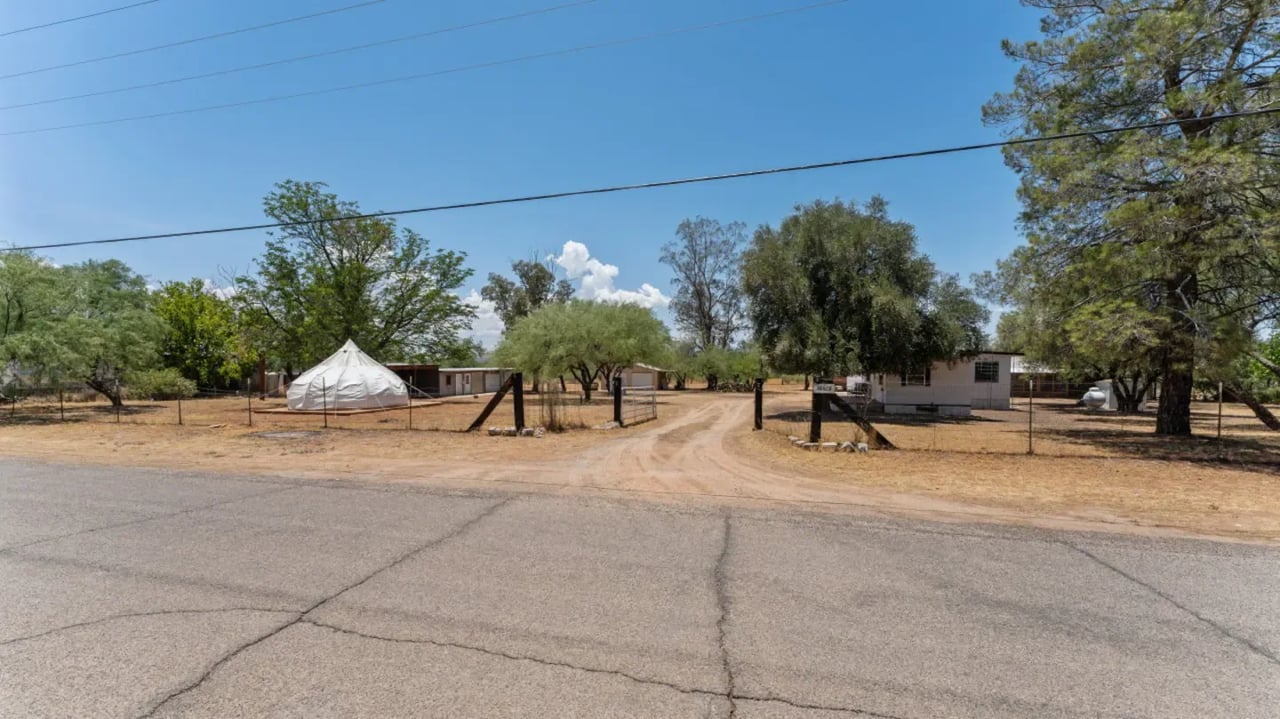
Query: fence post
[617, 399]
[517, 386]
[410, 406]
[324, 398]
[118, 401]
[759, 415]
[249, 396]
[179, 410]
[62, 413]
[1220, 412]
[815, 417]
[1031, 408]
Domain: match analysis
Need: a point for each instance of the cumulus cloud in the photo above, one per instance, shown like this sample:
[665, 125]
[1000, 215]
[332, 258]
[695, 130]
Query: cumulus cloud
[487, 327]
[224, 293]
[595, 279]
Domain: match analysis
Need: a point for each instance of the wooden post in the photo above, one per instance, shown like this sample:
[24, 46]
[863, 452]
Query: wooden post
[249, 395]
[617, 399]
[815, 417]
[179, 411]
[517, 388]
[759, 415]
[118, 401]
[1219, 411]
[1031, 401]
[324, 398]
[62, 414]
[410, 406]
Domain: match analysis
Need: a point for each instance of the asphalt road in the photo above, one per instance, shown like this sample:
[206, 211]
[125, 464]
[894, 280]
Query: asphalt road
[132, 593]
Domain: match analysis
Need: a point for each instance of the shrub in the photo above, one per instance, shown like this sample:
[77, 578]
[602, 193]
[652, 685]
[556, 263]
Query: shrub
[160, 384]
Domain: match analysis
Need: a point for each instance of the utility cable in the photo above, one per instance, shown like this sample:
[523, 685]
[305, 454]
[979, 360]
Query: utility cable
[191, 41]
[64, 21]
[423, 75]
[659, 183]
[300, 58]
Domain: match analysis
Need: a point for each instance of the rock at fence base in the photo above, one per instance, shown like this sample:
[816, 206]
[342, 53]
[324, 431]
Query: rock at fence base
[830, 445]
[495, 431]
[540, 432]
[862, 447]
[527, 432]
[792, 438]
[846, 446]
[809, 445]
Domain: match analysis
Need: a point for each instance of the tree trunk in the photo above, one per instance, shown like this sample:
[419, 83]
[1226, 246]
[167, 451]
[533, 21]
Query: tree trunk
[110, 391]
[712, 382]
[563, 387]
[806, 383]
[1258, 408]
[1177, 362]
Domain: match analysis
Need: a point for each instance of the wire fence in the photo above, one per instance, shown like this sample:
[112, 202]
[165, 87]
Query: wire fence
[937, 418]
[213, 408]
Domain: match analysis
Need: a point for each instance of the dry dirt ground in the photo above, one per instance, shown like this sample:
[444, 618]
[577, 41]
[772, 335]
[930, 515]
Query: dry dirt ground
[1089, 471]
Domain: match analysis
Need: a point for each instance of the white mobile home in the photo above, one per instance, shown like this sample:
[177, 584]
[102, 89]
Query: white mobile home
[954, 389]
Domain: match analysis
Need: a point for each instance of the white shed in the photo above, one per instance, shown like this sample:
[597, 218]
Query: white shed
[472, 380]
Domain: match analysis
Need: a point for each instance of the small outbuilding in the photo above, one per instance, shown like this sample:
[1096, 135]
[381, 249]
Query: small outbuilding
[644, 375]
[472, 380]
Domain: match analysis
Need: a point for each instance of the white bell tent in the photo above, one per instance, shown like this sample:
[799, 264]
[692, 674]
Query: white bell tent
[347, 379]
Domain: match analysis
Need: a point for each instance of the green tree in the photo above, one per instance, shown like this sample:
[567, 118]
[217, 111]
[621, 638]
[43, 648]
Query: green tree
[463, 353]
[324, 280]
[1178, 221]
[201, 340]
[535, 285]
[837, 288]
[590, 340]
[90, 322]
[705, 258]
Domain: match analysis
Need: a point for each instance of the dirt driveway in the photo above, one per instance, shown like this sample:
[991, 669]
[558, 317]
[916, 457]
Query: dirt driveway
[702, 445]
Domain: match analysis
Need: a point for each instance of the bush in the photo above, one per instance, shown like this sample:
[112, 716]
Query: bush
[160, 384]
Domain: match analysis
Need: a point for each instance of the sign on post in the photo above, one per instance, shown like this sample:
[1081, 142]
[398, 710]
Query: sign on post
[824, 385]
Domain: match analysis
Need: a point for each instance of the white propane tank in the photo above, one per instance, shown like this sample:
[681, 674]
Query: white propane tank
[1095, 398]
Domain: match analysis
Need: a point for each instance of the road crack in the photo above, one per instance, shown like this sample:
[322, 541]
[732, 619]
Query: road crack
[720, 581]
[1224, 631]
[148, 518]
[133, 615]
[301, 616]
[515, 657]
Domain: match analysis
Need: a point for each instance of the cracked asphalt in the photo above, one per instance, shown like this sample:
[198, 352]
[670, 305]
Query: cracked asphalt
[134, 593]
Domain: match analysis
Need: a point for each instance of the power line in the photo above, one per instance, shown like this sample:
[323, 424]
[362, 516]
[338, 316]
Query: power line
[657, 183]
[434, 73]
[64, 21]
[190, 41]
[300, 58]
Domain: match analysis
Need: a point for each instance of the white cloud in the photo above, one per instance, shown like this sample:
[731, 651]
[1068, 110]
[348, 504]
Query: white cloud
[223, 293]
[595, 279]
[487, 326]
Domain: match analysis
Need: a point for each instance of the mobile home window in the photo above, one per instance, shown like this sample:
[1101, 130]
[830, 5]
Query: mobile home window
[918, 376]
[986, 371]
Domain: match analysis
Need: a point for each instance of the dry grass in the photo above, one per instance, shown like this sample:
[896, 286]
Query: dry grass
[1092, 465]
[1206, 498]
[453, 414]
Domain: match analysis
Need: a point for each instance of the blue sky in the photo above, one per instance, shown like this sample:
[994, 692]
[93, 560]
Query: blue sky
[851, 79]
